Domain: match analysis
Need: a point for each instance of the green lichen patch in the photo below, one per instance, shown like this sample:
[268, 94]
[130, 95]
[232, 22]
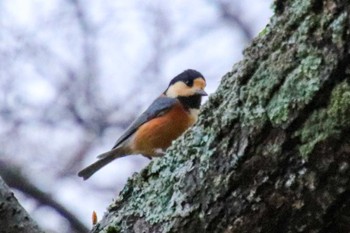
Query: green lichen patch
[258, 91]
[297, 91]
[304, 30]
[338, 26]
[111, 229]
[265, 31]
[326, 122]
[301, 7]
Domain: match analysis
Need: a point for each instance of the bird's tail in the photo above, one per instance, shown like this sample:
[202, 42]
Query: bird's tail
[103, 160]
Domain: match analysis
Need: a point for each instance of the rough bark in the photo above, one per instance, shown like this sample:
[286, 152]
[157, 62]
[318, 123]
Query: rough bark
[13, 218]
[271, 150]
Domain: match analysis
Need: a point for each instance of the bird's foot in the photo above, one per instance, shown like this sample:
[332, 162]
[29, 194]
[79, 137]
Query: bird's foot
[159, 152]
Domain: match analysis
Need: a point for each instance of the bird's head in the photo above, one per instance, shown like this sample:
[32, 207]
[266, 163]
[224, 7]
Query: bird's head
[186, 84]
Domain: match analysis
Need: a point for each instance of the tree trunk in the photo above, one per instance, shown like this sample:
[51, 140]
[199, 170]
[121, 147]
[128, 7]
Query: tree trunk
[13, 218]
[271, 150]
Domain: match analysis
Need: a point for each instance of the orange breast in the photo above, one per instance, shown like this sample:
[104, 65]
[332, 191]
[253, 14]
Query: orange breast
[161, 131]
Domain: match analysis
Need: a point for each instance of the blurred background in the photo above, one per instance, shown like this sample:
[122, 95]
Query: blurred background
[75, 73]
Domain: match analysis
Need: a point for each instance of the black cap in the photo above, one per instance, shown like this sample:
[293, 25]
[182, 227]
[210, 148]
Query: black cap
[186, 75]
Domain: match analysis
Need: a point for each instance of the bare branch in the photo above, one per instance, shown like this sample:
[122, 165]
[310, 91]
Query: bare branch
[15, 179]
[233, 16]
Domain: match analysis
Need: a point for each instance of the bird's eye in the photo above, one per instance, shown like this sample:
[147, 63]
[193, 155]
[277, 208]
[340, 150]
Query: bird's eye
[189, 82]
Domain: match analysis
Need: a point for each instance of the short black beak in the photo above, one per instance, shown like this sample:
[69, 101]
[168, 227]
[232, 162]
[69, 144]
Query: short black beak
[201, 93]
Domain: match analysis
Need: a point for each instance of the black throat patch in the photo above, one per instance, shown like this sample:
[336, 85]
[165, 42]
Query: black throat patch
[189, 102]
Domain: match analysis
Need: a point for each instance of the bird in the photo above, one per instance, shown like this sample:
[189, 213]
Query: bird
[150, 134]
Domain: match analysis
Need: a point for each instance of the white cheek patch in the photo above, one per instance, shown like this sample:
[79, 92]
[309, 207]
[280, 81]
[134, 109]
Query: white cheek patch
[179, 89]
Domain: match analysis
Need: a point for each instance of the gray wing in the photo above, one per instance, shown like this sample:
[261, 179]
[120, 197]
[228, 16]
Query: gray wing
[158, 107]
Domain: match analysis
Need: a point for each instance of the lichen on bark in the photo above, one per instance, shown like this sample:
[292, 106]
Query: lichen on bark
[328, 121]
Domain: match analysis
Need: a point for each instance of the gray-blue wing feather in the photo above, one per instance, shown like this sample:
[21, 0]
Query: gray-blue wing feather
[157, 108]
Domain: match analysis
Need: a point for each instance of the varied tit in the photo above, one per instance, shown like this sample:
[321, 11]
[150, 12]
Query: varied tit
[166, 119]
